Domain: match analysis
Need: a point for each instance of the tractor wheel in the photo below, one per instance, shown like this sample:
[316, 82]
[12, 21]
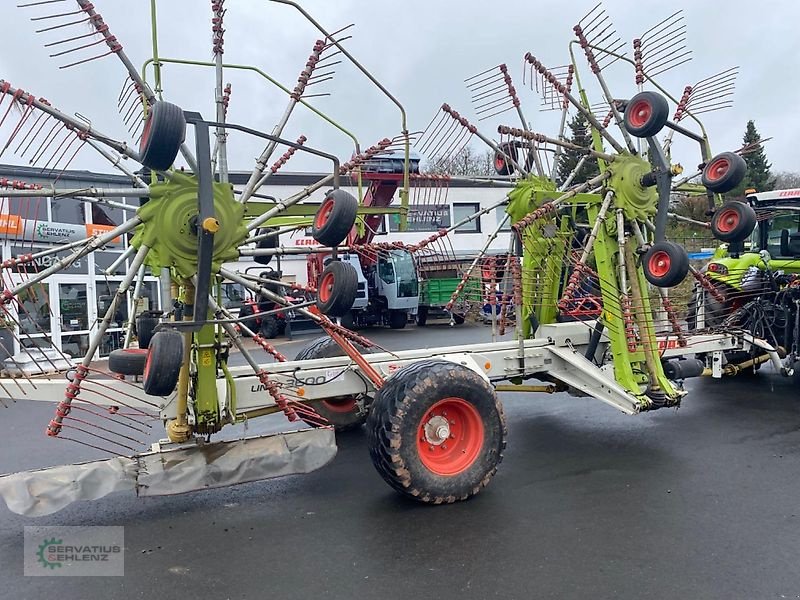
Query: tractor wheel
[337, 289]
[724, 172]
[335, 218]
[422, 316]
[145, 329]
[714, 312]
[646, 114]
[251, 324]
[343, 413]
[734, 221]
[163, 364]
[436, 432]
[665, 264]
[162, 137]
[265, 244]
[501, 165]
[398, 319]
[127, 361]
[269, 327]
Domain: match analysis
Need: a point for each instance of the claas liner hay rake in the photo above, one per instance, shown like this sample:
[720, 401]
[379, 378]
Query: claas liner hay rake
[436, 429]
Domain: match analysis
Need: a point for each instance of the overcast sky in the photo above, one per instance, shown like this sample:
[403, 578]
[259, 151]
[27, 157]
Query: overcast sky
[420, 50]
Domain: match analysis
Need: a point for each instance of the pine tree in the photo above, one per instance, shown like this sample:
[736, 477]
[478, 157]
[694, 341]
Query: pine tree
[580, 136]
[758, 173]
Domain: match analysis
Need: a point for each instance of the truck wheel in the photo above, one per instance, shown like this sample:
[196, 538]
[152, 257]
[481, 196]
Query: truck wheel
[265, 244]
[724, 172]
[269, 327]
[436, 432]
[646, 114]
[337, 289]
[335, 218]
[665, 264]
[501, 165]
[422, 316]
[734, 221]
[343, 413]
[162, 136]
[163, 364]
[127, 361]
[251, 324]
[145, 328]
[398, 319]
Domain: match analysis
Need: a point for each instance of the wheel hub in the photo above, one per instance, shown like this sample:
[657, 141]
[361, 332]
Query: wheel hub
[437, 430]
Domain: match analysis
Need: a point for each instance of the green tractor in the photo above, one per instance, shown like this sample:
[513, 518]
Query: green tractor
[754, 278]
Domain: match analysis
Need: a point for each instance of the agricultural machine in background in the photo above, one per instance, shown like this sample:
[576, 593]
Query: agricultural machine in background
[436, 429]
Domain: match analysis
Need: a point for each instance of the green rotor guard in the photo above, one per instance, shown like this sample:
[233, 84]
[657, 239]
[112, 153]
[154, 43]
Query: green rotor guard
[169, 226]
[637, 201]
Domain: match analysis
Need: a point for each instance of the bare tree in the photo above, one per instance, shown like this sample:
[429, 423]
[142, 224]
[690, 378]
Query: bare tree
[465, 163]
[786, 180]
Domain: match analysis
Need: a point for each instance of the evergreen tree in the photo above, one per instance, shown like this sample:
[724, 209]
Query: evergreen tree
[580, 136]
[758, 173]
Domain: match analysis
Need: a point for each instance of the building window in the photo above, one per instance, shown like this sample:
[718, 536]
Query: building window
[423, 217]
[462, 210]
[500, 211]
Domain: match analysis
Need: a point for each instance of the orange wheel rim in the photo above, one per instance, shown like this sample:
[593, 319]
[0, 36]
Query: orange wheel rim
[718, 168]
[324, 213]
[659, 264]
[326, 287]
[450, 436]
[728, 220]
[640, 113]
[341, 405]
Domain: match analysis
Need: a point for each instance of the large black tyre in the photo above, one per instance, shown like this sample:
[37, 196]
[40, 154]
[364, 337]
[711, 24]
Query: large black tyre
[269, 327]
[343, 413]
[335, 218]
[724, 172]
[127, 361]
[646, 114]
[410, 426]
[337, 289]
[714, 312]
[734, 221]
[665, 264]
[398, 319]
[265, 244]
[163, 365]
[162, 136]
[422, 316]
[251, 324]
[502, 166]
[145, 329]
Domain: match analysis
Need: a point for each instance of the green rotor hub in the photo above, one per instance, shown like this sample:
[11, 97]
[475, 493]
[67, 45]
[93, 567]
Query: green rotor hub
[637, 201]
[170, 226]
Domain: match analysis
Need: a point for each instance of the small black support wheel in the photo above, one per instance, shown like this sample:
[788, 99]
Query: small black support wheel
[646, 114]
[164, 132]
[269, 327]
[457, 318]
[145, 329]
[665, 264]
[502, 166]
[251, 324]
[335, 218]
[163, 364]
[734, 221]
[422, 316]
[343, 413]
[398, 319]
[337, 289]
[127, 361]
[265, 244]
[724, 172]
[436, 431]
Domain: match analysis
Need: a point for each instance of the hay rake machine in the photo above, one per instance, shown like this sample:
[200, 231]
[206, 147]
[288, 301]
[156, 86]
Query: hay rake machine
[578, 277]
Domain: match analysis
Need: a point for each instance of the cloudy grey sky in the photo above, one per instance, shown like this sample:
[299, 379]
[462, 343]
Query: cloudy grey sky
[421, 50]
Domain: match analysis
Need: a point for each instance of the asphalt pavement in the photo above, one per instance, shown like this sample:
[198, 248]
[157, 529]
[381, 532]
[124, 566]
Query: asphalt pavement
[702, 502]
